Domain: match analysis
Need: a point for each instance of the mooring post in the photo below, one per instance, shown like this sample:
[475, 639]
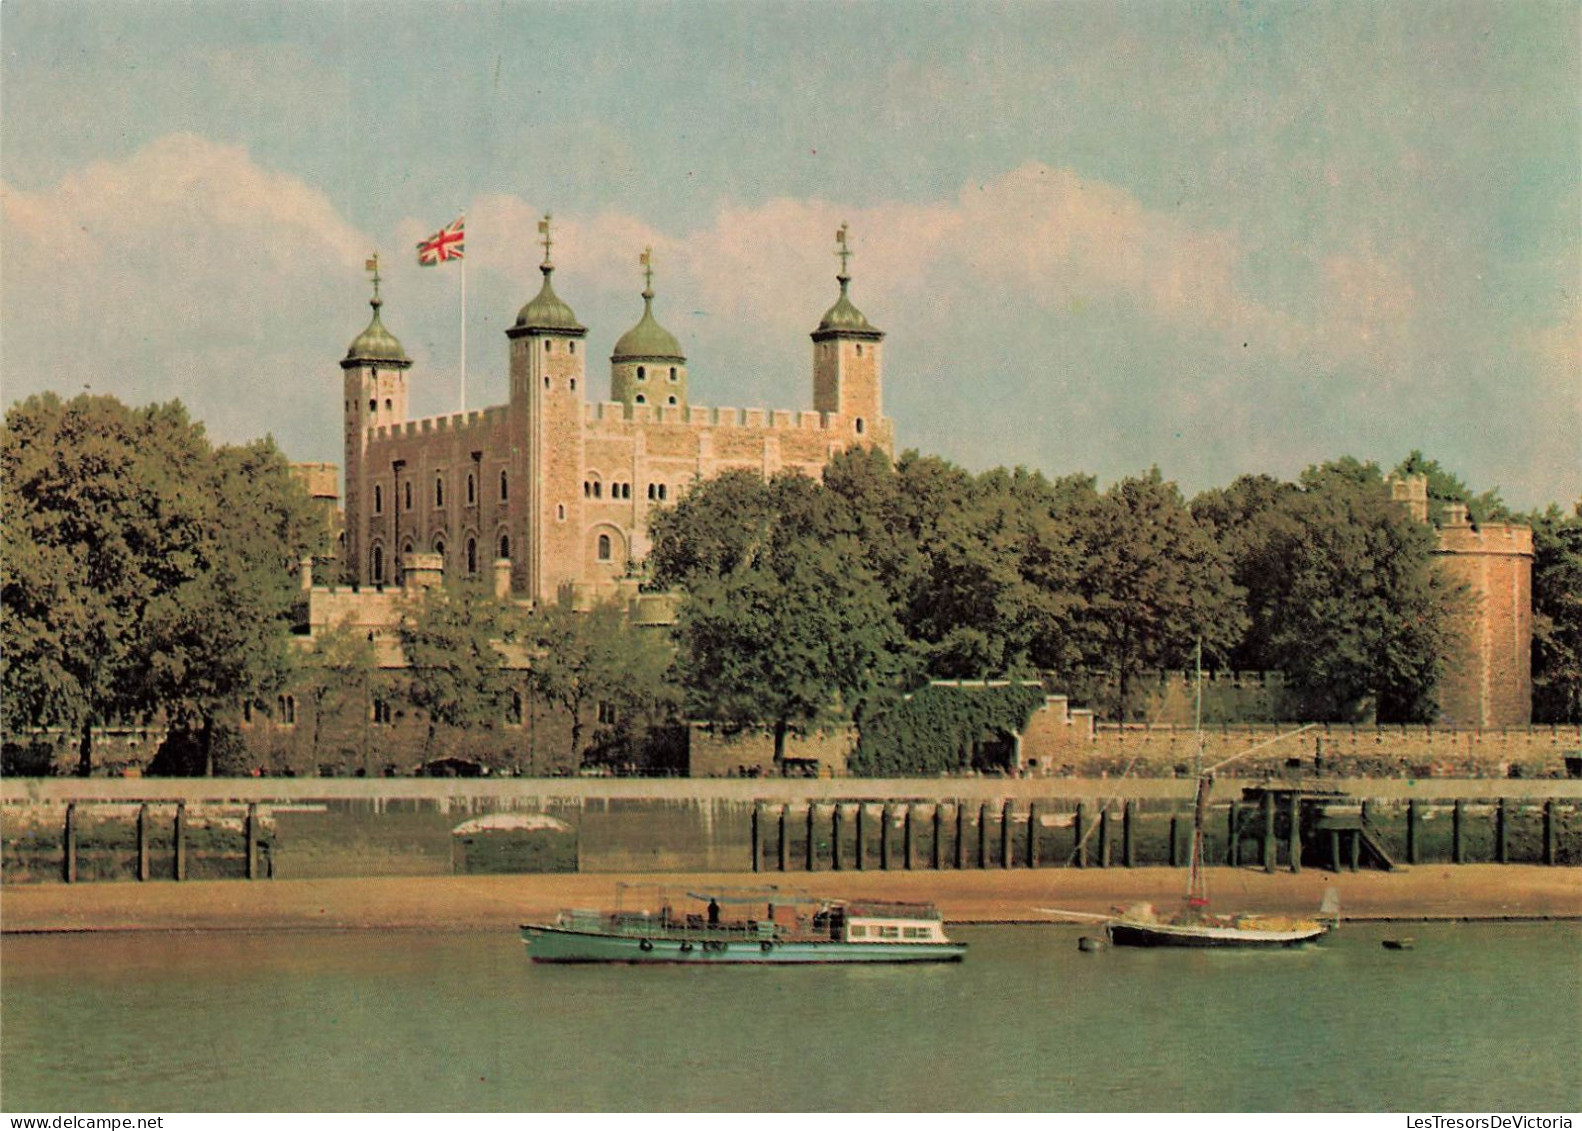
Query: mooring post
[961, 835]
[834, 837]
[1549, 831]
[983, 835]
[908, 842]
[69, 835]
[1175, 841]
[1104, 837]
[1270, 845]
[1501, 842]
[1079, 826]
[812, 837]
[142, 842]
[1411, 831]
[861, 849]
[939, 833]
[1128, 833]
[1233, 837]
[1354, 849]
[1334, 851]
[250, 830]
[180, 837]
[785, 838]
[758, 834]
[1007, 833]
[1456, 815]
[1032, 834]
[884, 838]
[1295, 840]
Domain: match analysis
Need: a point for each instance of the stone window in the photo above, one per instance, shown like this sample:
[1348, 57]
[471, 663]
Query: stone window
[607, 715]
[472, 555]
[381, 712]
[572, 346]
[549, 346]
[513, 710]
[652, 493]
[642, 373]
[672, 372]
[573, 384]
[439, 548]
[439, 490]
[247, 712]
[286, 710]
[640, 399]
[859, 349]
[373, 404]
[472, 489]
[661, 492]
[560, 512]
[859, 426]
[671, 400]
[505, 491]
[387, 404]
[546, 381]
[379, 499]
[408, 496]
[505, 545]
[379, 565]
[604, 547]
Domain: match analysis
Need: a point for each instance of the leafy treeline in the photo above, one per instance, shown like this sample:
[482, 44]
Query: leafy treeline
[142, 568]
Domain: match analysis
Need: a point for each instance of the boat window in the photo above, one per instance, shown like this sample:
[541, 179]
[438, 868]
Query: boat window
[914, 932]
[859, 932]
[889, 932]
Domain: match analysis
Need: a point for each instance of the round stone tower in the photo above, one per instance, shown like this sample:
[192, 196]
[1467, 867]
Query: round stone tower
[648, 366]
[1490, 684]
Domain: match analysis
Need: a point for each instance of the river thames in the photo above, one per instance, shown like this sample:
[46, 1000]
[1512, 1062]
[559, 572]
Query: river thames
[1476, 1017]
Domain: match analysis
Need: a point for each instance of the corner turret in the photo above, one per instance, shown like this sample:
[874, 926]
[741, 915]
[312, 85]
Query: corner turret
[648, 366]
[847, 368]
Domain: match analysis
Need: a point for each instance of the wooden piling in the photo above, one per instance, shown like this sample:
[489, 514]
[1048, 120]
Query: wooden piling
[250, 831]
[1233, 837]
[1079, 827]
[861, 819]
[758, 838]
[983, 835]
[69, 836]
[812, 837]
[1295, 838]
[1457, 856]
[834, 837]
[1501, 839]
[1270, 846]
[961, 835]
[1007, 831]
[1175, 841]
[884, 838]
[908, 841]
[1412, 831]
[1354, 849]
[1334, 851]
[1104, 837]
[784, 845]
[1128, 833]
[1032, 834]
[180, 839]
[142, 843]
[1549, 832]
[939, 835]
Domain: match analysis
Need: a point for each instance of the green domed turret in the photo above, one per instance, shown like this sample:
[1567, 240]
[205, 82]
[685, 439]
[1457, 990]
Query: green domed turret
[844, 319]
[648, 339]
[547, 310]
[375, 344]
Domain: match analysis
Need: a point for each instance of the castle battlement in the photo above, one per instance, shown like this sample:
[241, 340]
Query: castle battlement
[696, 416]
[1491, 538]
[433, 425]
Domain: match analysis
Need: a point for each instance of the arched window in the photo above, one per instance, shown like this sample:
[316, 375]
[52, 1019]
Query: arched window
[661, 492]
[560, 512]
[604, 547]
[379, 565]
[598, 489]
[505, 546]
[859, 426]
[379, 499]
[546, 382]
[549, 346]
[373, 404]
[286, 710]
[642, 373]
[387, 404]
[859, 349]
[472, 489]
[672, 400]
[409, 496]
[573, 346]
[472, 555]
[439, 491]
[573, 384]
[439, 548]
[504, 490]
[640, 399]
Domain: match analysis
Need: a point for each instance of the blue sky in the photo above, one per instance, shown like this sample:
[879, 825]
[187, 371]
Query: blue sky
[1217, 238]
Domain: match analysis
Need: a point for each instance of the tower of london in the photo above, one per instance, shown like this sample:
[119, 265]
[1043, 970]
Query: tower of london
[549, 494]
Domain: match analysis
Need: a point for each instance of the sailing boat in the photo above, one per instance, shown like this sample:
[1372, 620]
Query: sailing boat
[1195, 925]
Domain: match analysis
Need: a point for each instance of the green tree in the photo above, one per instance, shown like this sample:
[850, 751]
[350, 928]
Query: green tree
[1155, 583]
[335, 675]
[1446, 487]
[1557, 615]
[142, 569]
[787, 628]
[452, 639]
[580, 659]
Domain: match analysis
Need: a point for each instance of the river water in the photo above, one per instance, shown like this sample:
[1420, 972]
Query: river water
[1477, 1017]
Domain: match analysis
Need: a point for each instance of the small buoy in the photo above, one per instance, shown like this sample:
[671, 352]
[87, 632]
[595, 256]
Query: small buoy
[1399, 944]
[686, 948]
[645, 945]
[766, 946]
[1089, 944]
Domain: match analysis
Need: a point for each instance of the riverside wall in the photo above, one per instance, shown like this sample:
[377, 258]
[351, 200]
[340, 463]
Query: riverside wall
[82, 830]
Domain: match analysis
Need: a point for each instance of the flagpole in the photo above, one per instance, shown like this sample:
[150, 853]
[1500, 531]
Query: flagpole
[464, 328]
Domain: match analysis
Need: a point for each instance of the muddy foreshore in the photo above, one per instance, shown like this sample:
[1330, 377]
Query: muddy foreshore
[479, 903]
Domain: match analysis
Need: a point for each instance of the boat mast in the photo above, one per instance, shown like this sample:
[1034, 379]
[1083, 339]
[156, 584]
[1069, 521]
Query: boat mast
[1197, 885]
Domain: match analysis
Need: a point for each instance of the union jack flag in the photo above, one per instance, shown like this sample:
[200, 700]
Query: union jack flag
[443, 245]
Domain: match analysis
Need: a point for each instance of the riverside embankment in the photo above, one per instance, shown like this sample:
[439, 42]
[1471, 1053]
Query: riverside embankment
[486, 903]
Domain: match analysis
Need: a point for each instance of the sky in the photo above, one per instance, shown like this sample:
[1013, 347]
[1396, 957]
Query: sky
[1217, 238]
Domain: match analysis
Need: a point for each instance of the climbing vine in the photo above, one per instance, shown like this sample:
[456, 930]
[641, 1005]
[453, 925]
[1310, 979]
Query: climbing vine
[942, 728]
